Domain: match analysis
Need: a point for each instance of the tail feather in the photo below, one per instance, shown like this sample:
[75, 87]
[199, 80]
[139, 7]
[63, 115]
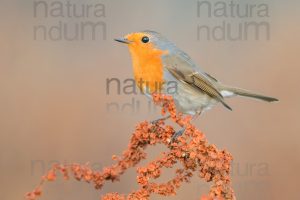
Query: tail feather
[246, 93]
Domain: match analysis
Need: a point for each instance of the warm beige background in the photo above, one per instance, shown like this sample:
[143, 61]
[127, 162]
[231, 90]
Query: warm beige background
[53, 100]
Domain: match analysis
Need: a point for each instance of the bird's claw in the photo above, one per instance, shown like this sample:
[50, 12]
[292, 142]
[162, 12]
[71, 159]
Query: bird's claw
[157, 120]
[177, 134]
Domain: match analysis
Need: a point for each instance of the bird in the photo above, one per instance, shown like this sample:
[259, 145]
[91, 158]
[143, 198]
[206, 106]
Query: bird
[157, 62]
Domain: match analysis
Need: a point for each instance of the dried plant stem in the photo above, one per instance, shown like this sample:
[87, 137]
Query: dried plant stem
[191, 149]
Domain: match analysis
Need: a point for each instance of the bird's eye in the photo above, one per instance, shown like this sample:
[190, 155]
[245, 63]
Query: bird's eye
[145, 39]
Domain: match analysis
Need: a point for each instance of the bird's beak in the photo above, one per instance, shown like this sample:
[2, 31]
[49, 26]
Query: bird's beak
[123, 40]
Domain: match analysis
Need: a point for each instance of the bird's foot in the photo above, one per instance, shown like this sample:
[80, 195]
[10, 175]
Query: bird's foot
[157, 120]
[177, 134]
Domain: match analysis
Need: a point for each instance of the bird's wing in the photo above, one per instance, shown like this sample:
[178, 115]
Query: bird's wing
[184, 70]
[211, 77]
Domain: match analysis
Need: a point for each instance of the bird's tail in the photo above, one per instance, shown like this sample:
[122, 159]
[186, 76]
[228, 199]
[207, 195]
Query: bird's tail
[231, 91]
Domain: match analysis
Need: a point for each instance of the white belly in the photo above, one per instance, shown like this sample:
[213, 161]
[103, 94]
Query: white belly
[192, 101]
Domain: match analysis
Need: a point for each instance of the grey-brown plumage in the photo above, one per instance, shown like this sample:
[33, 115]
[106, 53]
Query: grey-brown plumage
[197, 81]
[183, 69]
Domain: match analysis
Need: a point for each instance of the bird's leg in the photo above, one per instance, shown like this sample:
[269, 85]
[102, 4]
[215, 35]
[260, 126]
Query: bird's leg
[177, 134]
[198, 113]
[181, 131]
[163, 118]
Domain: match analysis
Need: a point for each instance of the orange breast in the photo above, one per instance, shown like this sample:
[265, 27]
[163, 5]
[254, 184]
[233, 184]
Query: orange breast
[147, 68]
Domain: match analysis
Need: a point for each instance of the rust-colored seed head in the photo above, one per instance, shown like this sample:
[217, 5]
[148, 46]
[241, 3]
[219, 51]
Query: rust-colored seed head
[191, 149]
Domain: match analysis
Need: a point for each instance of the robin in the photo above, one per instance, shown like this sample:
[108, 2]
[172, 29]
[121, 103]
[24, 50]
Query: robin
[157, 61]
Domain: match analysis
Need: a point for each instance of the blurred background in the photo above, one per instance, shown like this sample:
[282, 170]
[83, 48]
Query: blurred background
[56, 105]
